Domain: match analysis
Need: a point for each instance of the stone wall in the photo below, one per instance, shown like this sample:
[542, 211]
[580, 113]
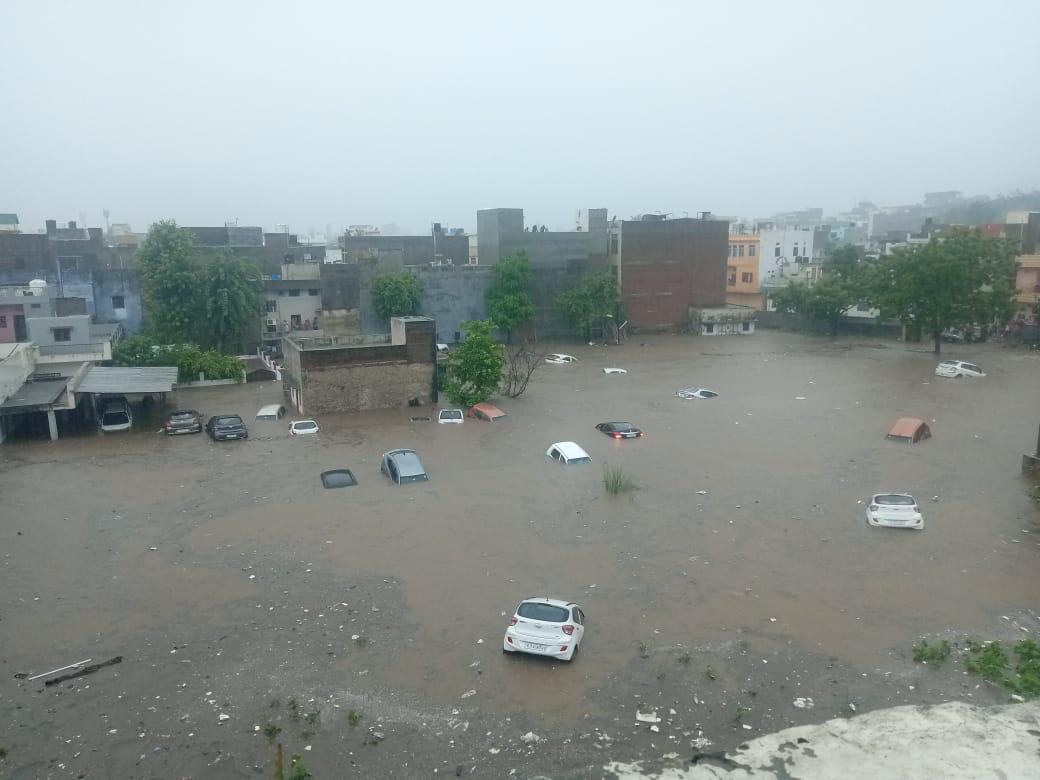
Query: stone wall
[364, 387]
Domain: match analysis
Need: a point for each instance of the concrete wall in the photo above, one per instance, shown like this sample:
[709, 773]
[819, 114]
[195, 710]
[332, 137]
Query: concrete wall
[16, 367]
[7, 314]
[341, 299]
[453, 295]
[107, 285]
[790, 243]
[500, 233]
[414, 250]
[41, 329]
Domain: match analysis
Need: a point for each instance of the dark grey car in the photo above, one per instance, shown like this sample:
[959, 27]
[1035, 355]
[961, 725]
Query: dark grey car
[403, 466]
[222, 427]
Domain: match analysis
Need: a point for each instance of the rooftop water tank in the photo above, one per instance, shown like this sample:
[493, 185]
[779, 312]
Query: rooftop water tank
[37, 286]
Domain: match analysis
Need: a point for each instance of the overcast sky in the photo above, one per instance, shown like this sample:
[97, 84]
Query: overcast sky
[328, 114]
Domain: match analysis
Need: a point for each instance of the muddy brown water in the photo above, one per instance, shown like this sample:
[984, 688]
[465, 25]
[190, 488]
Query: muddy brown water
[777, 545]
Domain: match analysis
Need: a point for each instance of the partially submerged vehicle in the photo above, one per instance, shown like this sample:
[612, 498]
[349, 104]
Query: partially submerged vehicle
[895, 510]
[403, 466]
[485, 412]
[701, 393]
[559, 358]
[909, 430]
[568, 452]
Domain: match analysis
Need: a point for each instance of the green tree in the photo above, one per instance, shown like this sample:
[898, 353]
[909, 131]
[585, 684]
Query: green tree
[824, 303]
[958, 281]
[190, 360]
[397, 294]
[509, 303]
[232, 295]
[846, 262]
[474, 370]
[169, 274]
[590, 301]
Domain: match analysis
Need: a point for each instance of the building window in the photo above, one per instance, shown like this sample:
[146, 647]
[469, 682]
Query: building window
[3, 320]
[294, 293]
[747, 277]
[118, 302]
[746, 326]
[306, 255]
[709, 327]
[776, 251]
[34, 305]
[613, 245]
[740, 250]
[272, 306]
[313, 293]
[751, 250]
[62, 334]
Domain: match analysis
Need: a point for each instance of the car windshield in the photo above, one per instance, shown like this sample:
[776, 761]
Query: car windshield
[115, 417]
[338, 478]
[305, 426]
[894, 500]
[229, 421]
[543, 613]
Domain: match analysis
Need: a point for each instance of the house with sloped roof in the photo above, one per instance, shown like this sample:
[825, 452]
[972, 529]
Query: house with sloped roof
[9, 223]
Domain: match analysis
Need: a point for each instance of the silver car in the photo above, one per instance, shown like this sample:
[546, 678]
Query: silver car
[958, 369]
[403, 466]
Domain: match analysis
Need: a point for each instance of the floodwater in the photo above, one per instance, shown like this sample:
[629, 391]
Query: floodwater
[789, 454]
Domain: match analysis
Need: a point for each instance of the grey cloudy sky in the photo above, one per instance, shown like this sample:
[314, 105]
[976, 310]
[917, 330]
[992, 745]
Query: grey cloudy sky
[317, 114]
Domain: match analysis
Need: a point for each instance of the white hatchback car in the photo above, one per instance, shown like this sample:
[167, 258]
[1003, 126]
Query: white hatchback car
[895, 510]
[568, 452]
[302, 427]
[695, 392]
[450, 417]
[958, 369]
[544, 626]
[558, 358]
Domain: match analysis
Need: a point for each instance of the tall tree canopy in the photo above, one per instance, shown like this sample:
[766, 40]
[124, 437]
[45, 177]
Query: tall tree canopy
[590, 301]
[232, 297]
[957, 281]
[169, 276]
[397, 294]
[825, 302]
[508, 300]
[474, 370]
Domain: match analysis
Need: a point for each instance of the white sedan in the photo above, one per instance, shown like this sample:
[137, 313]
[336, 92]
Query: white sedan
[695, 392]
[895, 510]
[545, 626]
[559, 359]
[303, 427]
[450, 417]
[958, 369]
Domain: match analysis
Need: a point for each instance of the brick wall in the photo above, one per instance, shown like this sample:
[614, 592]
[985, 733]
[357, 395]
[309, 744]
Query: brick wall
[364, 387]
[669, 266]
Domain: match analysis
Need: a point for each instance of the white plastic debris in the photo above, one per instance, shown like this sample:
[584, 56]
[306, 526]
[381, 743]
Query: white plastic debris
[655, 729]
[530, 737]
[702, 492]
[467, 694]
[800, 398]
[224, 716]
[615, 371]
[648, 717]
[480, 641]
[804, 703]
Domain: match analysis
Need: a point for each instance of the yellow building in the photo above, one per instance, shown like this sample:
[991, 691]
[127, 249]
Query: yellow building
[1027, 283]
[742, 271]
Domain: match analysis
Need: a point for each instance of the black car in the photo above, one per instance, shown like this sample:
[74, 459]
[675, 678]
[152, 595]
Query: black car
[182, 421]
[222, 427]
[619, 430]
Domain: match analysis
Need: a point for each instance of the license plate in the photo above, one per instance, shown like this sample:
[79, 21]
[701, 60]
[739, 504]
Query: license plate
[231, 436]
[532, 646]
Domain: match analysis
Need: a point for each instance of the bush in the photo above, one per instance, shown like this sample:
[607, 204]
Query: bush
[617, 480]
[934, 655]
[988, 660]
[190, 359]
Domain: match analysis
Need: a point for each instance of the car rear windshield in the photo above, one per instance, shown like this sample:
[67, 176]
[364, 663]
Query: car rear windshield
[414, 478]
[623, 427]
[451, 414]
[543, 613]
[585, 459]
[229, 421]
[894, 500]
[182, 416]
[305, 426]
[339, 478]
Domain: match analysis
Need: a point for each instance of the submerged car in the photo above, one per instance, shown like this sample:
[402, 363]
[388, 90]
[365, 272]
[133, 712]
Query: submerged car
[403, 466]
[558, 358]
[619, 430]
[958, 369]
[695, 392]
[271, 412]
[116, 416]
[485, 412]
[568, 452]
[303, 427]
[182, 421]
[338, 478]
[895, 510]
[615, 371]
[544, 626]
[450, 417]
[226, 427]
[909, 430]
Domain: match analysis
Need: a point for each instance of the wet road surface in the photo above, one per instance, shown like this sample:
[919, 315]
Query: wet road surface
[259, 579]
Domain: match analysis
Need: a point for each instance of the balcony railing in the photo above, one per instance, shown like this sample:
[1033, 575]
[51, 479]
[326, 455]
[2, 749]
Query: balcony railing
[99, 350]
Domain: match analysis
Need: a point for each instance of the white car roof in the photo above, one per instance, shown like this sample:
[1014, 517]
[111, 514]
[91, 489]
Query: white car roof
[901, 495]
[269, 409]
[546, 600]
[570, 449]
[304, 422]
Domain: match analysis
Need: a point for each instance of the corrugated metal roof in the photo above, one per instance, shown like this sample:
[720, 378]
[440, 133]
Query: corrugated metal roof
[119, 379]
[35, 394]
